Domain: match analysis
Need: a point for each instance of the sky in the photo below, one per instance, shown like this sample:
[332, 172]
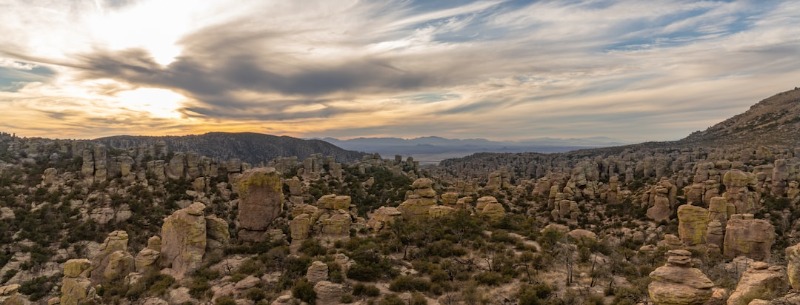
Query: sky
[630, 70]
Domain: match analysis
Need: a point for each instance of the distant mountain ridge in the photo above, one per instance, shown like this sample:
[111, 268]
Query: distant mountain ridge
[247, 146]
[432, 149]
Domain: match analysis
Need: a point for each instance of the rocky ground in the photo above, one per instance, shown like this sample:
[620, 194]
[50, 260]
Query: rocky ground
[86, 223]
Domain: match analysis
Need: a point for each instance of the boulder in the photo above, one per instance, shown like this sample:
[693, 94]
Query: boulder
[793, 266]
[113, 261]
[749, 237]
[328, 293]
[678, 283]
[334, 202]
[489, 207]
[579, 234]
[382, 218]
[440, 211]
[260, 200]
[760, 281]
[76, 288]
[184, 240]
[692, 224]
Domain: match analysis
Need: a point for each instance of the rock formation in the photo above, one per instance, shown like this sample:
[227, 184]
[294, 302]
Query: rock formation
[113, 262]
[749, 237]
[489, 207]
[692, 224]
[146, 259]
[184, 240]
[760, 281]
[328, 293]
[260, 202]
[422, 199]
[678, 283]
[383, 217]
[793, 266]
[317, 272]
[76, 288]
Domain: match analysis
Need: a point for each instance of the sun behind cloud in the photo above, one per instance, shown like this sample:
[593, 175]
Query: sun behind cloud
[159, 103]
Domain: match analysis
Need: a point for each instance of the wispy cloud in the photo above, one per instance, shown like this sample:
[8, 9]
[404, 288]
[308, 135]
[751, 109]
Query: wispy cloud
[627, 69]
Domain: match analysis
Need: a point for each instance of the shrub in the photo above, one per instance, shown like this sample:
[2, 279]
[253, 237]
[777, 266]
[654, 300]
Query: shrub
[490, 278]
[392, 299]
[366, 290]
[304, 291]
[409, 283]
[226, 300]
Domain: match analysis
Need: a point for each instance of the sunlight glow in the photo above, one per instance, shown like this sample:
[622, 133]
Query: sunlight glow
[159, 103]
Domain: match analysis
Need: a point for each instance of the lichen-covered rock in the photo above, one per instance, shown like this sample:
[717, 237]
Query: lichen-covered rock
[184, 240]
[328, 293]
[217, 234]
[450, 199]
[793, 266]
[692, 224]
[260, 200]
[76, 288]
[382, 218]
[488, 206]
[749, 237]
[760, 281]
[334, 202]
[113, 261]
[337, 225]
[580, 234]
[661, 209]
[9, 295]
[317, 272]
[300, 227]
[677, 283]
[440, 211]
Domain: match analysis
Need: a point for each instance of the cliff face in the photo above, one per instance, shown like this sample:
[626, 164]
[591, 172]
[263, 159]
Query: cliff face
[249, 147]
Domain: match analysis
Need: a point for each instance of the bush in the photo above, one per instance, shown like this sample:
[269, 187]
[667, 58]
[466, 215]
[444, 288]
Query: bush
[304, 291]
[226, 300]
[490, 278]
[534, 294]
[392, 299]
[366, 290]
[312, 247]
[418, 299]
[409, 283]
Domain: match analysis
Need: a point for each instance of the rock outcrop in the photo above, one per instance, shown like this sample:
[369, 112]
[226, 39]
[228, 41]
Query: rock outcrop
[383, 217]
[146, 259]
[184, 240]
[260, 202]
[317, 272]
[489, 207]
[423, 197]
[677, 283]
[692, 224]
[760, 281]
[76, 288]
[328, 293]
[793, 266]
[749, 237]
[113, 262]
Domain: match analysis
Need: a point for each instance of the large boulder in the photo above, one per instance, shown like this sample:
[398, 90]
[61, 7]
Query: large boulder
[383, 217]
[334, 202]
[146, 259]
[692, 224]
[488, 206]
[328, 293]
[760, 281]
[793, 266]
[260, 201]
[113, 261]
[184, 240]
[677, 283]
[749, 237]
[76, 288]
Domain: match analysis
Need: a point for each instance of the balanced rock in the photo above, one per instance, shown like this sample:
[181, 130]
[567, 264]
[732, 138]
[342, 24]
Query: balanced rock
[317, 272]
[749, 237]
[260, 201]
[760, 281]
[184, 240]
[337, 225]
[423, 197]
[677, 283]
[692, 224]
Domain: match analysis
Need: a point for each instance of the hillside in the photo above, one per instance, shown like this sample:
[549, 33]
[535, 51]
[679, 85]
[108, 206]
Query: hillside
[773, 121]
[247, 146]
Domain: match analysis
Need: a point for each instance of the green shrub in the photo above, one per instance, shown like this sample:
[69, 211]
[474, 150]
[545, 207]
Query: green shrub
[366, 290]
[409, 283]
[392, 299]
[304, 291]
[226, 300]
[490, 278]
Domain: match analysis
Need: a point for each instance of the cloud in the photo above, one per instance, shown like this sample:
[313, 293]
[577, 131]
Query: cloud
[626, 69]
